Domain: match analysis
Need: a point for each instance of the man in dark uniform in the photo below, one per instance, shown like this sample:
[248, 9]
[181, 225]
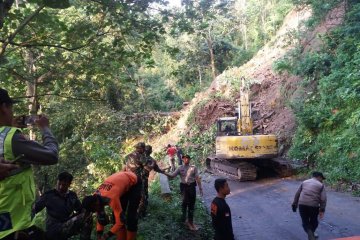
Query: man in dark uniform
[150, 164]
[63, 208]
[179, 154]
[220, 212]
[189, 177]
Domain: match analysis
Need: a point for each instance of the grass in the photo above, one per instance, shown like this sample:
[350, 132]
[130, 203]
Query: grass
[163, 219]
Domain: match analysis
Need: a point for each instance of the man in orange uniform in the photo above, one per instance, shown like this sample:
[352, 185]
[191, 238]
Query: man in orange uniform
[120, 191]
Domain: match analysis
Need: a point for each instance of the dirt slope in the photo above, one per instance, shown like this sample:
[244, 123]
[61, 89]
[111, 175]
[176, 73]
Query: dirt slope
[270, 92]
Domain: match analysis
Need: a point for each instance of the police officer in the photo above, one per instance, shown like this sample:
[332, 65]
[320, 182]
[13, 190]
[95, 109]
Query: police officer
[189, 178]
[17, 189]
[311, 199]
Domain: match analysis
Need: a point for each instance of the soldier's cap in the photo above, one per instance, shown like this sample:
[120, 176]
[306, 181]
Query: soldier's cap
[5, 98]
[318, 174]
[186, 156]
[140, 145]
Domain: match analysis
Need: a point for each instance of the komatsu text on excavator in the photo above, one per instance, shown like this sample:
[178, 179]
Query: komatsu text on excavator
[239, 152]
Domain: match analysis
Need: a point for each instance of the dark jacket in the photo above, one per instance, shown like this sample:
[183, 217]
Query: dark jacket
[221, 219]
[59, 208]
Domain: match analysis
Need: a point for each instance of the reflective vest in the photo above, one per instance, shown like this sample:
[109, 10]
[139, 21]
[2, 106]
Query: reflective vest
[17, 192]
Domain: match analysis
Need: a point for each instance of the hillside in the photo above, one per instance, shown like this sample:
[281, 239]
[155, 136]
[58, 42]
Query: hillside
[271, 92]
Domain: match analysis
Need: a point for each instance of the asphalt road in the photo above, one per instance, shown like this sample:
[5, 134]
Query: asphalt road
[261, 210]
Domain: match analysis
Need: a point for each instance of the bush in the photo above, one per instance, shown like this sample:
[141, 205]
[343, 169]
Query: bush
[329, 117]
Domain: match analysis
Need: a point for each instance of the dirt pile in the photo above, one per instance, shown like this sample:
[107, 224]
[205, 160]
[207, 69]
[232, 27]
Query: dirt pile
[205, 116]
[272, 97]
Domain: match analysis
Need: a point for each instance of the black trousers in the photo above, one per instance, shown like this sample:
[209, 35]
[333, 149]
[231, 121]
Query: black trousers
[144, 202]
[81, 224]
[130, 203]
[188, 192]
[309, 217]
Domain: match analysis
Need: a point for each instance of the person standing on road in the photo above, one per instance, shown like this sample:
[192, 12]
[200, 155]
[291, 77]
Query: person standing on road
[311, 199]
[171, 151]
[189, 178]
[220, 212]
[17, 186]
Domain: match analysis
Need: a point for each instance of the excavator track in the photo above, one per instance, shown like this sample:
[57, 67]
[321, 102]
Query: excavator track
[242, 171]
[282, 167]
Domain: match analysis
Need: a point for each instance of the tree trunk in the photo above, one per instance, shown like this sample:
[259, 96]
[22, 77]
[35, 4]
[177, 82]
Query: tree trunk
[212, 56]
[244, 30]
[31, 87]
[200, 76]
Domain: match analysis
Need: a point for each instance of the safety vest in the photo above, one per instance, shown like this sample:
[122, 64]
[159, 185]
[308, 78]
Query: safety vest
[17, 192]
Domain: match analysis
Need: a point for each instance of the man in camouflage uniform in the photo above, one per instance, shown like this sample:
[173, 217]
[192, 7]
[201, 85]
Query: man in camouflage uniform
[150, 164]
[135, 161]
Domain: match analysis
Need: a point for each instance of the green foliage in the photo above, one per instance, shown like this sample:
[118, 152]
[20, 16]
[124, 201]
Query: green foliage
[319, 7]
[163, 220]
[199, 144]
[100, 69]
[328, 116]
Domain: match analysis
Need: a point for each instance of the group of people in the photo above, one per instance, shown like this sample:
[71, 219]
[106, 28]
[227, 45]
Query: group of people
[172, 152]
[125, 192]
[66, 215]
[310, 198]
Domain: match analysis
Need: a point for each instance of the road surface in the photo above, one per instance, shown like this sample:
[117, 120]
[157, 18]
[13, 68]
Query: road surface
[261, 210]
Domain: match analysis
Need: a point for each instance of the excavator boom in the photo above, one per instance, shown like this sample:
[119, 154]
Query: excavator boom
[238, 150]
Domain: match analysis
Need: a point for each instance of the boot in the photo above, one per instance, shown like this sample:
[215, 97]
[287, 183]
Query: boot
[310, 234]
[121, 235]
[130, 235]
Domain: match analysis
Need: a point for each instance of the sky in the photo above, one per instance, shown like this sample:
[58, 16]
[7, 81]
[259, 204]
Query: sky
[173, 3]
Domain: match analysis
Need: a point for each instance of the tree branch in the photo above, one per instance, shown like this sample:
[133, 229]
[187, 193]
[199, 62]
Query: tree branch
[19, 29]
[68, 97]
[18, 75]
[70, 49]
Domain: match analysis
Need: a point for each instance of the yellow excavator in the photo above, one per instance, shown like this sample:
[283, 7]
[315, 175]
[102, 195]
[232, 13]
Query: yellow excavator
[239, 152]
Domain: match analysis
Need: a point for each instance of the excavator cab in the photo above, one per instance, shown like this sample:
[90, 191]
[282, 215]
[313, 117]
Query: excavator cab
[227, 126]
